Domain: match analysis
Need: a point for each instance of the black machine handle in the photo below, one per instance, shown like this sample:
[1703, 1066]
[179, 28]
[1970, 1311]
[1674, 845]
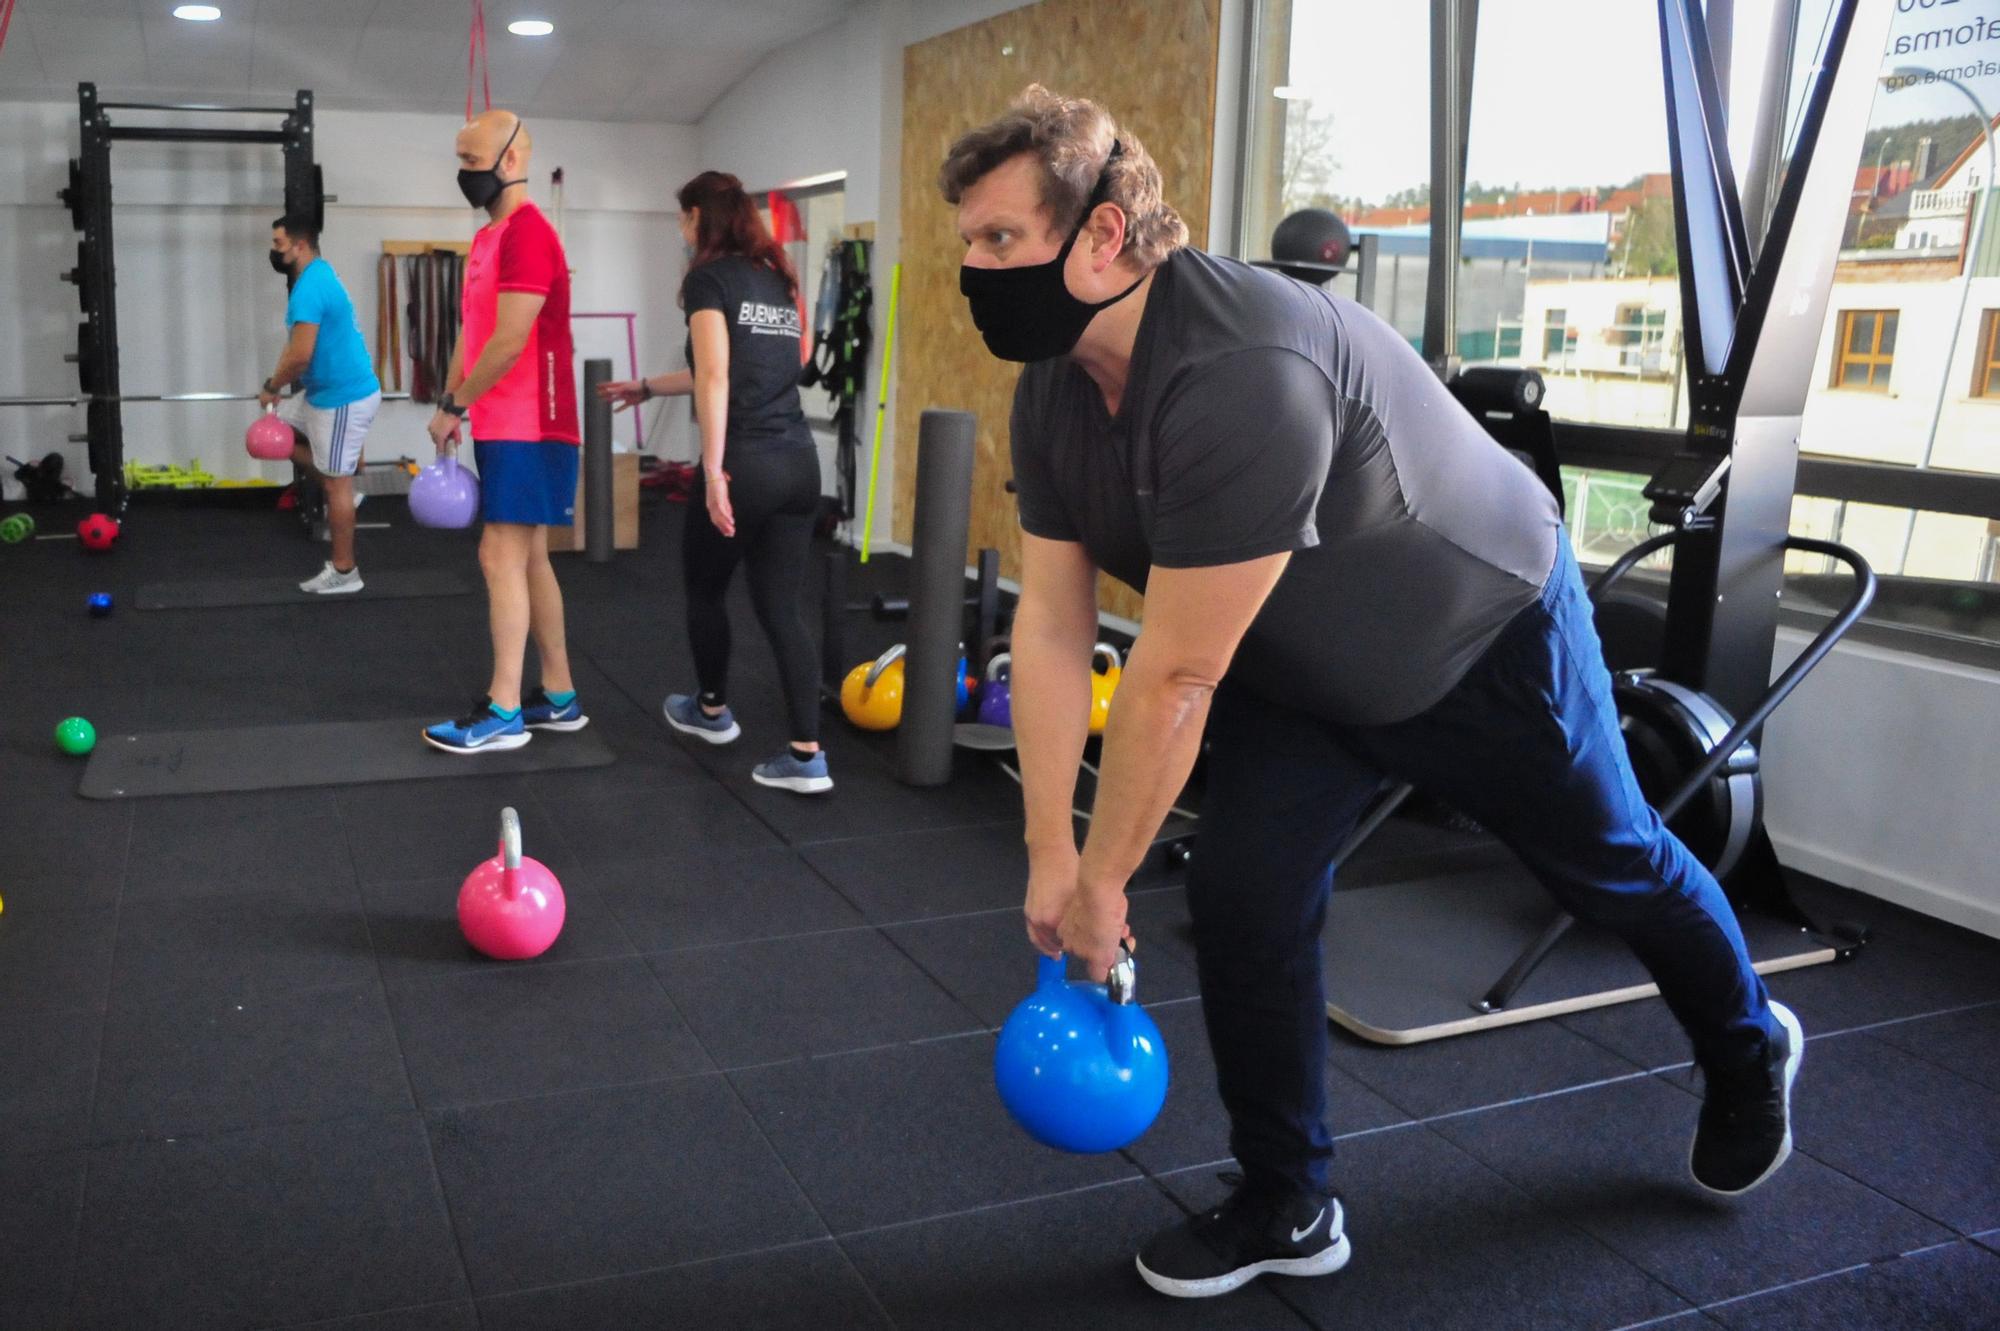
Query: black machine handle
[1815, 651]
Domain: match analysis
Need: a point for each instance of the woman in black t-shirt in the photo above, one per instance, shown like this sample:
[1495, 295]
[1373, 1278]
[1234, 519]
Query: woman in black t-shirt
[760, 480]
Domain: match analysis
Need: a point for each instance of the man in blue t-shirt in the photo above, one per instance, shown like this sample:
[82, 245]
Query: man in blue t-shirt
[341, 395]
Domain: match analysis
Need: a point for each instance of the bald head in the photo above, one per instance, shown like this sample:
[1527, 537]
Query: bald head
[483, 143]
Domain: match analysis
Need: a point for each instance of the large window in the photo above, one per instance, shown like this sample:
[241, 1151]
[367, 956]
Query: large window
[1340, 119]
[1986, 367]
[1570, 261]
[1866, 348]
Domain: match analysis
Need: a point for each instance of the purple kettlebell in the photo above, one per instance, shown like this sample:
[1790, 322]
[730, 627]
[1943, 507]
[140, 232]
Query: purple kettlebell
[444, 494]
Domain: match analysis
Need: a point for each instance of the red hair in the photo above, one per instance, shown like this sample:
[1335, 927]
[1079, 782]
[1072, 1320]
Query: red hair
[730, 225]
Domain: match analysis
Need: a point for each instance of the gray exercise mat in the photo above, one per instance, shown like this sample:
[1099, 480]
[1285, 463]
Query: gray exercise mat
[1405, 963]
[324, 753]
[377, 585]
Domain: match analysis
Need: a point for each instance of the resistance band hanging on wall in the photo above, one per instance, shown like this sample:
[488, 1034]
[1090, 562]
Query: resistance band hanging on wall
[840, 352]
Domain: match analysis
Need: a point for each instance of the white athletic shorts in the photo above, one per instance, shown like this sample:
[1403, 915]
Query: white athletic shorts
[335, 433]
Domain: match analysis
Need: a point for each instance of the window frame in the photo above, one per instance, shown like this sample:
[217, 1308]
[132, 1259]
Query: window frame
[1844, 354]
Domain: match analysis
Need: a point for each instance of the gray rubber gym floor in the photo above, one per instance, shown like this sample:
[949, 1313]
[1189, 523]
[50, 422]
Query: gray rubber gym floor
[250, 1077]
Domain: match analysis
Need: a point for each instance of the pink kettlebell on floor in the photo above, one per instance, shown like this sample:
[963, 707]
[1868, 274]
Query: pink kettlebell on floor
[510, 907]
[268, 438]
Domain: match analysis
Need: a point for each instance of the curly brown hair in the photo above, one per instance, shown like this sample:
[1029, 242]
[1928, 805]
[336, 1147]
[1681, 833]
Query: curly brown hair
[1070, 139]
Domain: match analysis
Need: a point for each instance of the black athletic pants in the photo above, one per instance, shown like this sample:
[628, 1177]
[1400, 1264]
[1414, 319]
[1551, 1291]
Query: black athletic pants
[775, 498]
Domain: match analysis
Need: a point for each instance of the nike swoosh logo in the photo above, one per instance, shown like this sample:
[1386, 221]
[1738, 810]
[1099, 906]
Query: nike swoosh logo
[1299, 1234]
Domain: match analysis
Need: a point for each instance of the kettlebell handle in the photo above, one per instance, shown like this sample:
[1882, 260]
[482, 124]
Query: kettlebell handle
[883, 662]
[1106, 651]
[994, 665]
[510, 840]
[1121, 986]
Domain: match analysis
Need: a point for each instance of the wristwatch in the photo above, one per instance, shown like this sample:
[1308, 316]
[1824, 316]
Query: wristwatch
[645, 390]
[445, 403]
[270, 386]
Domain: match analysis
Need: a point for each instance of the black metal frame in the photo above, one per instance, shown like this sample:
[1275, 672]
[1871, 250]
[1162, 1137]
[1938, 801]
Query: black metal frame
[89, 201]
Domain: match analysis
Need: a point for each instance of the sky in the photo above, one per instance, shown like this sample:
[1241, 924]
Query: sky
[1565, 92]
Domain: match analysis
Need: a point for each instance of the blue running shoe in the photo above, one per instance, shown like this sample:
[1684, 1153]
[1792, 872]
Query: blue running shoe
[478, 730]
[684, 714]
[786, 772]
[538, 713]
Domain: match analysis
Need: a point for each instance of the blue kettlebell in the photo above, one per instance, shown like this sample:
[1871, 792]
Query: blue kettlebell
[996, 706]
[1082, 1067]
[964, 689]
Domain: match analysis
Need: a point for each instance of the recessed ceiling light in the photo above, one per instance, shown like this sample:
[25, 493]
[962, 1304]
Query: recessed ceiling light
[198, 13]
[531, 27]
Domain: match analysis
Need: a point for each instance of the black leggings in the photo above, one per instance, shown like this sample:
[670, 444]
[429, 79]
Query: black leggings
[775, 498]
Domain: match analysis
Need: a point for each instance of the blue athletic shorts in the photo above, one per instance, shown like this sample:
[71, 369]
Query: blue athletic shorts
[533, 484]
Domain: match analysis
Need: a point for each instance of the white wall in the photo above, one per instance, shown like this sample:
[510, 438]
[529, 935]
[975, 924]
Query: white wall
[1878, 775]
[199, 308]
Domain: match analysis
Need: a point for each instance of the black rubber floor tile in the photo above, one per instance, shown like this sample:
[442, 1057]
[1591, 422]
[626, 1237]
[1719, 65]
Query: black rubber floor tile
[443, 827]
[41, 1196]
[174, 1068]
[796, 997]
[1644, 1033]
[1484, 1068]
[269, 1226]
[1612, 1160]
[699, 897]
[413, 923]
[653, 823]
[1966, 1042]
[1193, 1127]
[530, 1030]
[1442, 1242]
[810, 1287]
[868, 800]
[278, 843]
[430, 1317]
[1904, 1126]
[575, 1187]
[63, 852]
[1956, 1287]
[1061, 1262]
[241, 946]
[53, 958]
[219, 703]
[986, 962]
[1885, 980]
[48, 1062]
[907, 1133]
[917, 875]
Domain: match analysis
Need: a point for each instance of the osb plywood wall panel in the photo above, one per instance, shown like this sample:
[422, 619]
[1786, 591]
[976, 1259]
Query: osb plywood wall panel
[1151, 63]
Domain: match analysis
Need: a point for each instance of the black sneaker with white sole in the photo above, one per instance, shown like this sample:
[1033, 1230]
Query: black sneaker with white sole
[1745, 1131]
[1249, 1235]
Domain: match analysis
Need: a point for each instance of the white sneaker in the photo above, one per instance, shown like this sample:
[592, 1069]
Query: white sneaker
[330, 581]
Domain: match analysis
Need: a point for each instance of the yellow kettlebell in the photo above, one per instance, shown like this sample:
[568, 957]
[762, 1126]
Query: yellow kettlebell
[1103, 683]
[872, 693]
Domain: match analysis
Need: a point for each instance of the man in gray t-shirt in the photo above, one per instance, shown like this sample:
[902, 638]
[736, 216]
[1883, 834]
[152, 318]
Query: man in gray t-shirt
[1346, 578]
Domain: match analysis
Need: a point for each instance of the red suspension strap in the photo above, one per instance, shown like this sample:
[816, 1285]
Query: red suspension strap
[6, 17]
[475, 52]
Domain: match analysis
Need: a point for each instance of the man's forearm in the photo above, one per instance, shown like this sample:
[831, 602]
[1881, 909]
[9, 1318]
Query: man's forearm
[290, 367]
[496, 358]
[1049, 695]
[1149, 749]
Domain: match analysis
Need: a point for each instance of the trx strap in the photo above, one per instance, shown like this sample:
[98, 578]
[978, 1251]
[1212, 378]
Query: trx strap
[475, 49]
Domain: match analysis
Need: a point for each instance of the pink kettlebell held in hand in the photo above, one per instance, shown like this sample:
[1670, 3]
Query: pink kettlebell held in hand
[510, 907]
[444, 494]
[268, 439]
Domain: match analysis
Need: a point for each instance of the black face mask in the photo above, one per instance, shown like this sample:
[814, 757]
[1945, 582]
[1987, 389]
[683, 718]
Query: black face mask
[1028, 313]
[481, 188]
[280, 264]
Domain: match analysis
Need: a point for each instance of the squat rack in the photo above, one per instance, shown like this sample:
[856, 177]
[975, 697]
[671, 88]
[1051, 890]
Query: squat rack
[88, 197]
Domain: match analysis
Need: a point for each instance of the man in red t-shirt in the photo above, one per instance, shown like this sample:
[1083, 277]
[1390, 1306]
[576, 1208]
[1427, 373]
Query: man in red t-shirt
[520, 393]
